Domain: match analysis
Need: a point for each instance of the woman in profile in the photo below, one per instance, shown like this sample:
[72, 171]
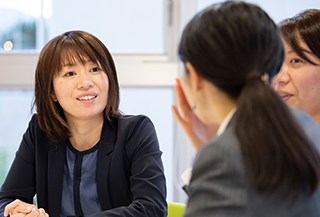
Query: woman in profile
[80, 155]
[261, 162]
[298, 80]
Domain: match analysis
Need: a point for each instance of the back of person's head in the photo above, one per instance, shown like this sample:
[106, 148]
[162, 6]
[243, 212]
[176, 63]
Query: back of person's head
[233, 45]
[67, 49]
[231, 42]
[302, 28]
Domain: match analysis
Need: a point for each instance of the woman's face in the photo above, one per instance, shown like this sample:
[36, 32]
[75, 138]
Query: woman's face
[198, 93]
[298, 82]
[81, 90]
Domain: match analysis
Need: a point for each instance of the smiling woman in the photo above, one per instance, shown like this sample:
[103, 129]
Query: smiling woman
[298, 80]
[75, 58]
[81, 89]
[80, 155]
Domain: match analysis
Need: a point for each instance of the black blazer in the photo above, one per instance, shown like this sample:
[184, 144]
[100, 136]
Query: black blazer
[129, 175]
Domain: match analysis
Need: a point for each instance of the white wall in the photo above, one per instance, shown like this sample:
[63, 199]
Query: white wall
[124, 26]
[277, 9]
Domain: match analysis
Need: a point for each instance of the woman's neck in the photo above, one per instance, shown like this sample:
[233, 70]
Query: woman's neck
[85, 133]
[217, 104]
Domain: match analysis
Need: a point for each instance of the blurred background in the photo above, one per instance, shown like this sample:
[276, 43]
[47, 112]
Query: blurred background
[142, 36]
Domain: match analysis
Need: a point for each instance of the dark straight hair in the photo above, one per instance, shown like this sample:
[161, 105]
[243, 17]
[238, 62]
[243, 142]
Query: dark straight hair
[232, 44]
[60, 51]
[305, 27]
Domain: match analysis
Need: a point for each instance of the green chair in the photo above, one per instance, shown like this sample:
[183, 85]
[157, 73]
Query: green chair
[176, 209]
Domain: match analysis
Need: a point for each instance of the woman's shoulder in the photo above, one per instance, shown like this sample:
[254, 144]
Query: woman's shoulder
[34, 132]
[132, 126]
[132, 118]
[227, 144]
[34, 123]
[136, 132]
[223, 151]
[133, 121]
[309, 126]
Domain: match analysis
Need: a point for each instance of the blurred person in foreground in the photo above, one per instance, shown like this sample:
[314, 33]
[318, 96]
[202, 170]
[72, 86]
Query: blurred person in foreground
[257, 160]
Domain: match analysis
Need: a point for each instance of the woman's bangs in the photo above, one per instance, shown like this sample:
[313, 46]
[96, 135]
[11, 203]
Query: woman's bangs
[70, 55]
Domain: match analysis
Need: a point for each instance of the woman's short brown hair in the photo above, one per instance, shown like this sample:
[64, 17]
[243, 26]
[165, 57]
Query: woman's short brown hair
[67, 49]
[305, 27]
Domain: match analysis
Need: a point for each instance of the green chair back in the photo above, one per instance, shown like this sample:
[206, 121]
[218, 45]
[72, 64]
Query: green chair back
[176, 209]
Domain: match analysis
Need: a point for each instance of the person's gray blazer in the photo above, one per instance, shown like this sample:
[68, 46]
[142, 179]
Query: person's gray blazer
[219, 186]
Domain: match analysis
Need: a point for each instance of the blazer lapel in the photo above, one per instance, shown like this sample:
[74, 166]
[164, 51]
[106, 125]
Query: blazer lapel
[107, 142]
[56, 161]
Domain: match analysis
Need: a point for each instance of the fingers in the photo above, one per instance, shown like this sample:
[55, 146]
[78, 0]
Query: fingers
[34, 213]
[176, 114]
[182, 100]
[18, 215]
[37, 213]
[8, 209]
[17, 206]
[21, 209]
[43, 213]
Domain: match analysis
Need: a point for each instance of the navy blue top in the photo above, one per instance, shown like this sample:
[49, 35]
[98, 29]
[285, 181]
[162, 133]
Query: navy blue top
[79, 193]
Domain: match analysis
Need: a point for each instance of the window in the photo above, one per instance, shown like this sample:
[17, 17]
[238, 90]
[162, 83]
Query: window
[22, 25]
[136, 34]
[15, 115]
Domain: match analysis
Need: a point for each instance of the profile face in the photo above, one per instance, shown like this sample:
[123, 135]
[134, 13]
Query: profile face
[81, 90]
[298, 82]
[195, 95]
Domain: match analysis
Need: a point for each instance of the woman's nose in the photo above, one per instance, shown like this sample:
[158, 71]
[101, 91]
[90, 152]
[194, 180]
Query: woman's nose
[85, 81]
[282, 77]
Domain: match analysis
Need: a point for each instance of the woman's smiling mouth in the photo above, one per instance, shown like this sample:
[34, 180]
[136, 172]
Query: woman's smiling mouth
[86, 98]
[284, 95]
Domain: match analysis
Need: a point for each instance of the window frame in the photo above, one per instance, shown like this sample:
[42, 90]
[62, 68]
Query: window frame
[134, 70]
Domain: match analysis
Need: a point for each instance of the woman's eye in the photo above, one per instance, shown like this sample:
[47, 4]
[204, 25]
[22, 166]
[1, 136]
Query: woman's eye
[95, 69]
[69, 74]
[296, 60]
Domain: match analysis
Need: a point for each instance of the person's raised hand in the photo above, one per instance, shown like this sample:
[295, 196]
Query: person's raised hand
[197, 132]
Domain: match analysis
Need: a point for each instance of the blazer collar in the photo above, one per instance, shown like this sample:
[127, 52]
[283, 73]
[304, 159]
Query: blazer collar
[226, 122]
[108, 136]
[107, 143]
[56, 161]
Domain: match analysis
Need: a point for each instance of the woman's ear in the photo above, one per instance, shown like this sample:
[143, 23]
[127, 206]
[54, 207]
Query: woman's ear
[196, 79]
[53, 96]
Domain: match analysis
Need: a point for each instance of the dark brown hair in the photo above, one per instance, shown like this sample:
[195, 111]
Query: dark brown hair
[232, 44]
[305, 27]
[67, 49]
